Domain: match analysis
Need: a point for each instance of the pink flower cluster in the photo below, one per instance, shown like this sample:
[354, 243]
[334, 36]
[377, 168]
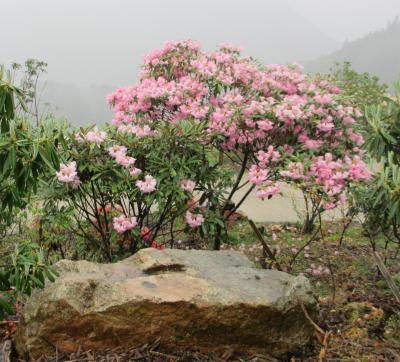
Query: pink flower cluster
[124, 223]
[187, 185]
[139, 131]
[283, 116]
[147, 185]
[119, 153]
[95, 136]
[330, 175]
[194, 220]
[194, 216]
[68, 174]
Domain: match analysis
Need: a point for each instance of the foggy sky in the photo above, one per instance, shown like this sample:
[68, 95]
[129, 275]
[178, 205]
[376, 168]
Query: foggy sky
[102, 41]
[347, 19]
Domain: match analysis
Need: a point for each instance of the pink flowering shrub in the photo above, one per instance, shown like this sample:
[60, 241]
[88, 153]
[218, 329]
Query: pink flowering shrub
[127, 191]
[276, 123]
[166, 160]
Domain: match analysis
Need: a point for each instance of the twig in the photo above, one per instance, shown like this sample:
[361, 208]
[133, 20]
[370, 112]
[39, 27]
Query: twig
[388, 278]
[333, 281]
[264, 244]
[346, 225]
[169, 357]
[315, 325]
[312, 238]
[326, 335]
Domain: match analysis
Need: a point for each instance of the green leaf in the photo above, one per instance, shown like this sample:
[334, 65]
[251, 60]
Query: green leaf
[5, 307]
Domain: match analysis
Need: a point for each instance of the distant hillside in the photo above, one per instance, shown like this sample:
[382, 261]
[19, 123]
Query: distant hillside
[81, 105]
[377, 53]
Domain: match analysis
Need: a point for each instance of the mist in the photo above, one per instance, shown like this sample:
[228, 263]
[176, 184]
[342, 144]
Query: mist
[101, 43]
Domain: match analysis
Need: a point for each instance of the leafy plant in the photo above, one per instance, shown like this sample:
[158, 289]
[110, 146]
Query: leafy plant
[128, 192]
[8, 93]
[380, 201]
[26, 153]
[362, 89]
[21, 272]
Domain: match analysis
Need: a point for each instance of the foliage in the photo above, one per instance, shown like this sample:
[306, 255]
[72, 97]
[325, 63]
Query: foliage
[25, 155]
[26, 152]
[7, 102]
[129, 192]
[380, 202]
[362, 89]
[21, 272]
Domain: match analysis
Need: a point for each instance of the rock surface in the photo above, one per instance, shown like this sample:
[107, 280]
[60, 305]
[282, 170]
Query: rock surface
[208, 300]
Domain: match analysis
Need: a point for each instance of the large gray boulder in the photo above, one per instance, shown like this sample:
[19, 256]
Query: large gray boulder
[208, 300]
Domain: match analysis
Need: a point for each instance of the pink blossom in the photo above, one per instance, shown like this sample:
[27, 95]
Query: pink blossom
[288, 149]
[156, 245]
[295, 171]
[268, 191]
[68, 174]
[323, 98]
[257, 175]
[96, 136]
[230, 48]
[148, 185]
[135, 171]
[194, 220]
[329, 205]
[123, 223]
[146, 234]
[265, 158]
[79, 137]
[313, 144]
[265, 125]
[326, 126]
[124, 160]
[357, 169]
[348, 120]
[187, 185]
[355, 137]
[316, 272]
[342, 199]
[142, 131]
[117, 150]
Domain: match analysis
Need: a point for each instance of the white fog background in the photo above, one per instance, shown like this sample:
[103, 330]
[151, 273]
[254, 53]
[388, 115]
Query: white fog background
[92, 47]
